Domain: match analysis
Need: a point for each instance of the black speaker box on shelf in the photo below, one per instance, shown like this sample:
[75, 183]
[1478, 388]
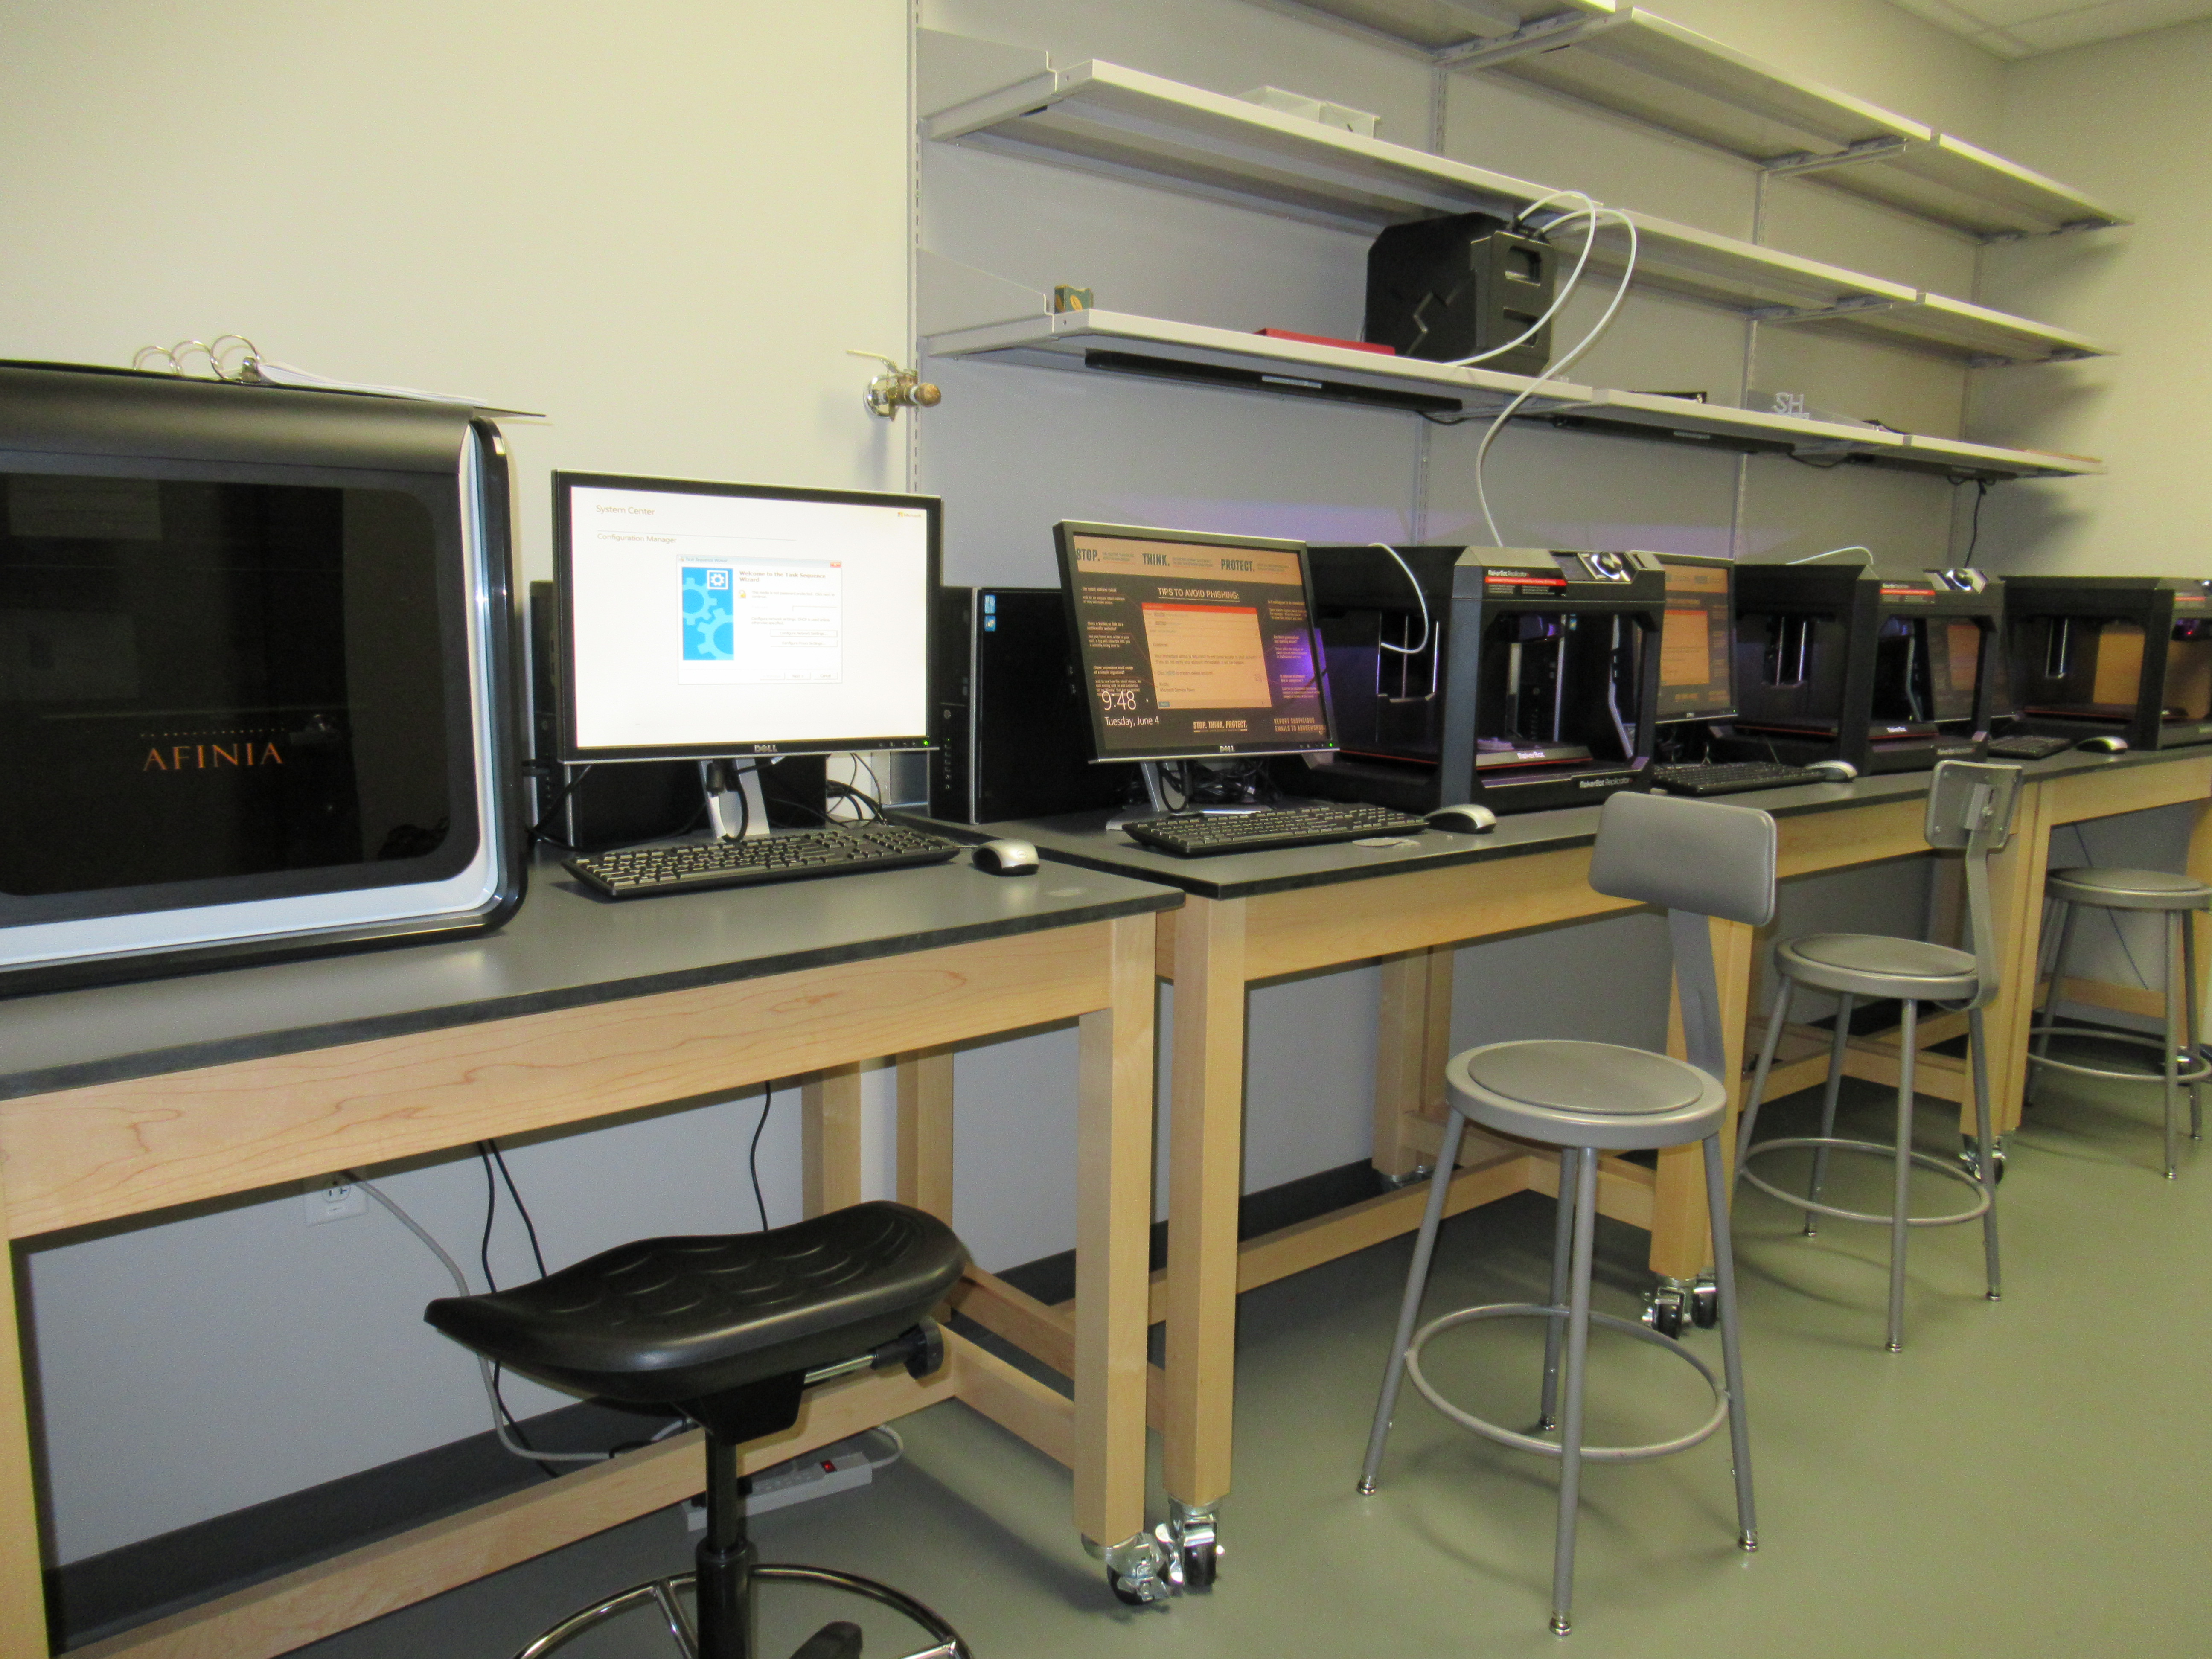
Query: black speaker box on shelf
[1442, 290]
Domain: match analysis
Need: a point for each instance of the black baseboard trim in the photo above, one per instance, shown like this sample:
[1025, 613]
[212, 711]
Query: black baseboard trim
[105, 1594]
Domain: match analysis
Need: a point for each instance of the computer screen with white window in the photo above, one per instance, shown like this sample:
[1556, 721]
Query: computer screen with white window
[703, 620]
[1193, 646]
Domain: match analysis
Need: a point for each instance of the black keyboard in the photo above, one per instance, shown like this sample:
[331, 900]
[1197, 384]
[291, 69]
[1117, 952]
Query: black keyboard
[1191, 837]
[2027, 746]
[1732, 777]
[683, 867]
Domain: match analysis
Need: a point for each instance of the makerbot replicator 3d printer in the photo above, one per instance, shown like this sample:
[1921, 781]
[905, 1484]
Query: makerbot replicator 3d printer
[2119, 656]
[1892, 674]
[1519, 677]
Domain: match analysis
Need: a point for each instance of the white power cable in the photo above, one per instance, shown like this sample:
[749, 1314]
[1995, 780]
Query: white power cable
[1809, 558]
[1565, 363]
[1421, 598]
[483, 1366]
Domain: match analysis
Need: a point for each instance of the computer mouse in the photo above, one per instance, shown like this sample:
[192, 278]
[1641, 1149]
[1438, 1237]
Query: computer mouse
[1006, 858]
[1464, 820]
[2107, 745]
[1842, 771]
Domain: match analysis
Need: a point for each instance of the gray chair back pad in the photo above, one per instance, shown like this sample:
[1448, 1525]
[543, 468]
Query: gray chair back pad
[1697, 858]
[1971, 806]
[1686, 854]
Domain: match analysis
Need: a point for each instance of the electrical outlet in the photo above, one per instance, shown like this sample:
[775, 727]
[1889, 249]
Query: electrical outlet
[332, 1200]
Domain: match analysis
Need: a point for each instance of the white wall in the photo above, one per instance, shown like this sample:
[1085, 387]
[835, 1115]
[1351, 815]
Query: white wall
[2130, 122]
[663, 225]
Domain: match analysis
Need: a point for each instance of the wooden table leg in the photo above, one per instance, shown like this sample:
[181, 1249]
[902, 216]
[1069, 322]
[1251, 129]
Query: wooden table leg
[22, 1595]
[1681, 1236]
[1413, 1041]
[2016, 882]
[924, 1132]
[1113, 1239]
[1204, 1180]
[830, 1139]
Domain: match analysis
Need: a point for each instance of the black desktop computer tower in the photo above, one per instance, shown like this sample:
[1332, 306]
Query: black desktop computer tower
[1533, 686]
[1892, 674]
[619, 803]
[2112, 656]
[1443, 290]
[1012, 738]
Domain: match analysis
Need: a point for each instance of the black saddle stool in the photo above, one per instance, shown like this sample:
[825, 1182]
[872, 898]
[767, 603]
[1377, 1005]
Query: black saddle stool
[731, 1330]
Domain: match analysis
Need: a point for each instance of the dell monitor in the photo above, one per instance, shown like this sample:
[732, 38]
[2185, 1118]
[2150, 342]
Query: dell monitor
[1696, 637]
[700, 621]
[1192, 646]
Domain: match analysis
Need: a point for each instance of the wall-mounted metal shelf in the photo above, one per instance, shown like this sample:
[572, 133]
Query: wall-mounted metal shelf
[1115, 342]
[1642, 65]
[1433, 23]
[1118, 343]
[1106, 118]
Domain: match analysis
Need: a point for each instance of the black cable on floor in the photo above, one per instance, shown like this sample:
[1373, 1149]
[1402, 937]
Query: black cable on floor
[752, 1154]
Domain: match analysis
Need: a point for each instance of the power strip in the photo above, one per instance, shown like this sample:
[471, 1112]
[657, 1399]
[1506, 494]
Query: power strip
[842, 1467]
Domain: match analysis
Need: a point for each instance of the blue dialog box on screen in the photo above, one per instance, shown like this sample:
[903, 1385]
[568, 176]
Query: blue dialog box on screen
[709, 614]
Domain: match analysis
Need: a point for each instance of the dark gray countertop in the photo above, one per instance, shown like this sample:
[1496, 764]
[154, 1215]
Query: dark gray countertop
[1082, 839]
[565, 948]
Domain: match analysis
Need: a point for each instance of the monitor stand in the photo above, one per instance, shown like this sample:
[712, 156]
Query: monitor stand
[1156, 802]
[735, 800]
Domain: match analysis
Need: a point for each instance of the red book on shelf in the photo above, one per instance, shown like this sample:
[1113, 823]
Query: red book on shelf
[1324, 339]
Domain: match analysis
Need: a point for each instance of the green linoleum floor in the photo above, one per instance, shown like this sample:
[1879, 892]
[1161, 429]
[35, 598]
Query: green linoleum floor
[2030, 1478]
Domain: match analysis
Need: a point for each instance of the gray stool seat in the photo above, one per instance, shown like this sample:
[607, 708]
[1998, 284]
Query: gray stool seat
[1586, 1094]
[2183, 1063]
[1869, 965]
[2129, 889]
[1969, 810]
[1698, 859]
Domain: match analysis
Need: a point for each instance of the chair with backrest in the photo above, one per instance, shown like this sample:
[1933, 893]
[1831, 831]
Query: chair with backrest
[1697, 859]
[1970, 811]
[732, 1330]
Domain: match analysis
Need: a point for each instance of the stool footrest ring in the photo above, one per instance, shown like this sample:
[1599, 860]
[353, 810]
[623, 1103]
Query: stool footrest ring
[661, 1593]
[2196, 1069]
[1871, 1149]
[1528, 1442]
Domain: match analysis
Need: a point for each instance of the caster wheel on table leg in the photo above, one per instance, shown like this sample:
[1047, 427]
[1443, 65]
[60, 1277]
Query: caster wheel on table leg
[1705, 1304]
[1970, 1156]
[1139, 1572]
[1190, 1541]
[1664, 1309]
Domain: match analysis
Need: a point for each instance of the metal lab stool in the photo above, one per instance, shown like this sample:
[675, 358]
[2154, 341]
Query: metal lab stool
[2175, 897]
[732, 1330]
[1698, 859]
[1970, 809]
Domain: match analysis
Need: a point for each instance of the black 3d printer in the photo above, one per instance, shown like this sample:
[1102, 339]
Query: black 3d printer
[1891, 674]
[1520, 678]
[2112, 656]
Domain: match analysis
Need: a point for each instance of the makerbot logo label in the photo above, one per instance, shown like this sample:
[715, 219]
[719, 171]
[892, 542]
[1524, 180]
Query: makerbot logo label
[1612, 782]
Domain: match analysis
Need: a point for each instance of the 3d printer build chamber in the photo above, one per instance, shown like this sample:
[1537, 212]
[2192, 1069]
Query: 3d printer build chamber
[2112, 656]
[1890, 673]
[1522, 678]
